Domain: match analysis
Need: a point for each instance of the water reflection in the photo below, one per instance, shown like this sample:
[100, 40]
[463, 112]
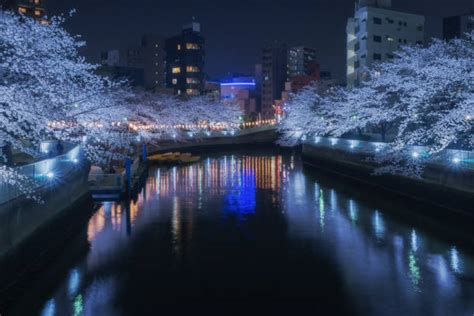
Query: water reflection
[386, 267]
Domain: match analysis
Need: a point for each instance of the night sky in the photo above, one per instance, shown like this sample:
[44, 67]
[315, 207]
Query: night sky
[235, 31]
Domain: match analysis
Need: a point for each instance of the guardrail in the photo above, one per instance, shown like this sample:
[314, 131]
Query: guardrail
[109, 181]
[191, 135]
[458, 158]
[45, 173]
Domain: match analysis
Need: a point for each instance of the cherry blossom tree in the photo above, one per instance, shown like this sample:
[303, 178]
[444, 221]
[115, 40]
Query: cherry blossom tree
[424, 96]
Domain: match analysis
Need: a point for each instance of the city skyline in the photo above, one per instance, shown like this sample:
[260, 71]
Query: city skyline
[234, 34]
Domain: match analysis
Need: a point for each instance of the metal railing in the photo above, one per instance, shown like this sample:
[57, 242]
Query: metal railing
[44, 173]
[109, 181]
[459, 158]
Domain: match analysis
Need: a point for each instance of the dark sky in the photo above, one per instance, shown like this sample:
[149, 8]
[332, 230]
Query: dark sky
[235, 31]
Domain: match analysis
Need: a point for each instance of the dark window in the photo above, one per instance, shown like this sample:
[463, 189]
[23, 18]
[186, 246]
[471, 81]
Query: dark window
[399, 40]
[356, 64]
[389, 56]
[419, 42]
[362, 56]
[377, 56]
[405, 41]
[419, 28]
[404, 23]
[377, 20]
[377, 39]
[357, 47]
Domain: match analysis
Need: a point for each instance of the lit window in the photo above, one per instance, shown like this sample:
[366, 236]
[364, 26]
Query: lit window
[37, 12]
[37, 2]
[390, 39]
[192, 80]
[22, 10]
[192, 69]
[179, 47]
[174, 81]
[192, 46]
[192, 92]
[156, 45]
[176, 70]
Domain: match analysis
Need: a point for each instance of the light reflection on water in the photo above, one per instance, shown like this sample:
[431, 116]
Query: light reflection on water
[387, 268]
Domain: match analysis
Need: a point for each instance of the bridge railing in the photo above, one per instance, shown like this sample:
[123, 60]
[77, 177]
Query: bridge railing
[44, 173]
[225, 133]
[452, 157]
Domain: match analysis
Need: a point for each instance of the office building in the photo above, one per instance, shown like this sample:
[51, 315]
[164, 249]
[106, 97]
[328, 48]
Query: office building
[458, 26]
[301, 61]
[153, 55]
[185, 61]
[375, 33]
[142, 65]
[31, 8]
[274, 73]
[124, 64]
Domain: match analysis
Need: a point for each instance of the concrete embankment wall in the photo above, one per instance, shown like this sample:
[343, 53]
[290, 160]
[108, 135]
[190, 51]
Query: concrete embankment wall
[30, 233]
[444, 186]
[255, 139]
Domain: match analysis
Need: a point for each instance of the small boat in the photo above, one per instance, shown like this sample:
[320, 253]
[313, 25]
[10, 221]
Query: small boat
[189, 159]
[175, 157]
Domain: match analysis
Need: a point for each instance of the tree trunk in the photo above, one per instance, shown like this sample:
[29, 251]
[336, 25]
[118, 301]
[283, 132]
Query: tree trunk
[8, 155]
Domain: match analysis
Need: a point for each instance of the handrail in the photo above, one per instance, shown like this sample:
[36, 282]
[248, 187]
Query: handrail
[452, 157]
[47, 172]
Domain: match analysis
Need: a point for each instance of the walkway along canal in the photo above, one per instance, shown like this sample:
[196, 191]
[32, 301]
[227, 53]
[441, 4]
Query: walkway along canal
[253, 231]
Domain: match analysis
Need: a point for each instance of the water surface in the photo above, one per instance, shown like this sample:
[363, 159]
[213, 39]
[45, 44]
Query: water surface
[254, 233]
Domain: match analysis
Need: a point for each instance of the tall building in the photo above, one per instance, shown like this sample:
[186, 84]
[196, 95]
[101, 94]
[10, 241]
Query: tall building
[124, 64]
[458, 26]
[31, 8]
[274, 67]
[375, 32]
[185, 61]
[153, 53]
[258, 87]
[301, 61]
[143, 65]
[302, 67]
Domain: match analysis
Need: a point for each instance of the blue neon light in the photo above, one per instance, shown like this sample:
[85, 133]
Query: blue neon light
[238, 84]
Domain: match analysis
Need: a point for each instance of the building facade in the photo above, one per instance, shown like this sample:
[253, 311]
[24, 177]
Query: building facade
[142, 65]
[301, 61]
[31, 8]
[458, 26]
[242, 90]
[375, 33]
[124, 64]
[274, 75]
[185, 61]
[153, 54]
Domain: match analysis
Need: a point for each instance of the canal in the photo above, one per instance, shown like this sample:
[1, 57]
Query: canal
[250, 233]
